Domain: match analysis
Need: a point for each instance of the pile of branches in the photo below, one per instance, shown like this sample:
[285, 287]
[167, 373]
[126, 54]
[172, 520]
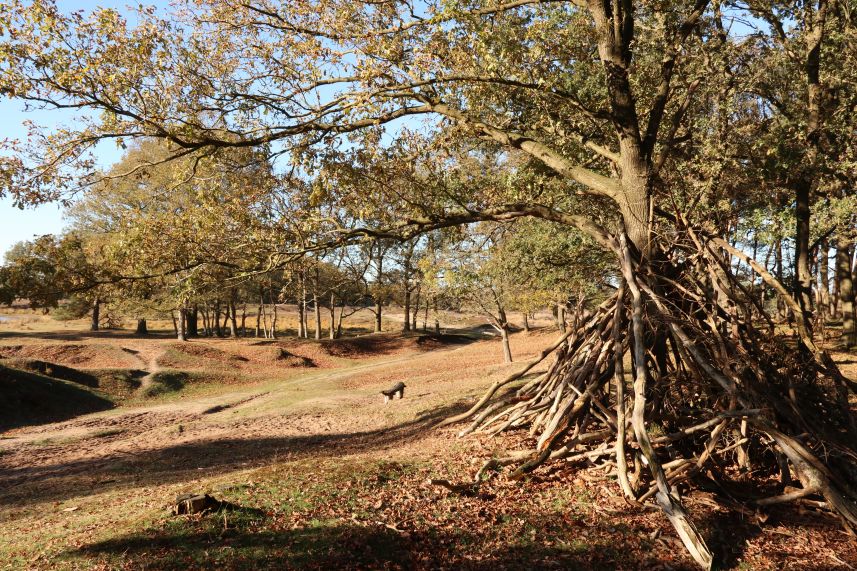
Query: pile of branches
[729, 397]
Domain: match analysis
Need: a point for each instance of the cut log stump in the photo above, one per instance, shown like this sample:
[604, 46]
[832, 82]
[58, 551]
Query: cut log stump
[187, 504]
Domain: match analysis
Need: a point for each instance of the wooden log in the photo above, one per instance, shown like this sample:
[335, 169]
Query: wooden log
[187, 504]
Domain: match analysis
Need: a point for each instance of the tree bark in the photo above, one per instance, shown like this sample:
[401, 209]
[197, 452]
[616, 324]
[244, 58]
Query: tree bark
[193, 322]
[264, 315]
[416, 309]
[844, 253]
[406, 324]
[379, 280]
[182, 335]
[206, 329]
[782, 311]
[339, 320]
[317, 308]
[216, 318]
[274, 322]
[507, 349]
[332, 333]
[824, 279]
[814, 37]
[96, 315]
[803, 275]
[233, 318]
[142, 328]
[302, 306]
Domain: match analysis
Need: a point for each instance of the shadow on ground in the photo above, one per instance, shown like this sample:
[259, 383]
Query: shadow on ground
[346, 545]
[179, 462]
[31, 398]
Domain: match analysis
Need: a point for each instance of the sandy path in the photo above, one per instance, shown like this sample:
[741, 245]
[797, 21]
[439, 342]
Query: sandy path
[147, 354]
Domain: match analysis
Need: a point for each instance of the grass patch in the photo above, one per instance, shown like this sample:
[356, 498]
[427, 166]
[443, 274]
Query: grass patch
[108, 432]
[120, 384]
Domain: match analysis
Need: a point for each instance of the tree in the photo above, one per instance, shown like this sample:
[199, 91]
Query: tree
[621, 134]
[475, 278]
[52, 268]
[169, 230]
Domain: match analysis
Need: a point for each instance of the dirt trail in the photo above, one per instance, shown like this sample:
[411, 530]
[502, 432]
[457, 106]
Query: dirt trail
[148, 354]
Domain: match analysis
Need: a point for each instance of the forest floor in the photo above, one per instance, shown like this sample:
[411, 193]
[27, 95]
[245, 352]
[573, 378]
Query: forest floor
[319, 472]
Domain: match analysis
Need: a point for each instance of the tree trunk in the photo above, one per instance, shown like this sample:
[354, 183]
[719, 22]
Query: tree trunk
[416, 309]
[406, 325]
[379, 280]
[844, 253]
[142, 328]
[216, 318]
[803, 275]
[507, 349]
[96, 315]
[834, 295]
[182, 336]
[526, 323]
[317, 308]
[274, 322]
[205, 327]
[778, 268]
[302, 333]
[175, 324]
[332, 333]
[193, 322]
[823, 280]
[264, 313]
[244, 320]
[339, 321]
[812, 68]
[233, 318]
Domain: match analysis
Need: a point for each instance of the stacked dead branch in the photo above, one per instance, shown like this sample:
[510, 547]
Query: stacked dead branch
[713, 394]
